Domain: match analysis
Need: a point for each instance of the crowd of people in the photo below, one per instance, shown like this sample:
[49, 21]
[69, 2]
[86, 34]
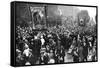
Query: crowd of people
[47, 47]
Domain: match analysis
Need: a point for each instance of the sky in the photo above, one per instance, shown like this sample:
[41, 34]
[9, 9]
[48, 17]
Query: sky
[73, 10]
[91, 10]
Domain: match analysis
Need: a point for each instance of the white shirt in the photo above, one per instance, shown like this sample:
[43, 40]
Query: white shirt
[42, 41]
[26, 52]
